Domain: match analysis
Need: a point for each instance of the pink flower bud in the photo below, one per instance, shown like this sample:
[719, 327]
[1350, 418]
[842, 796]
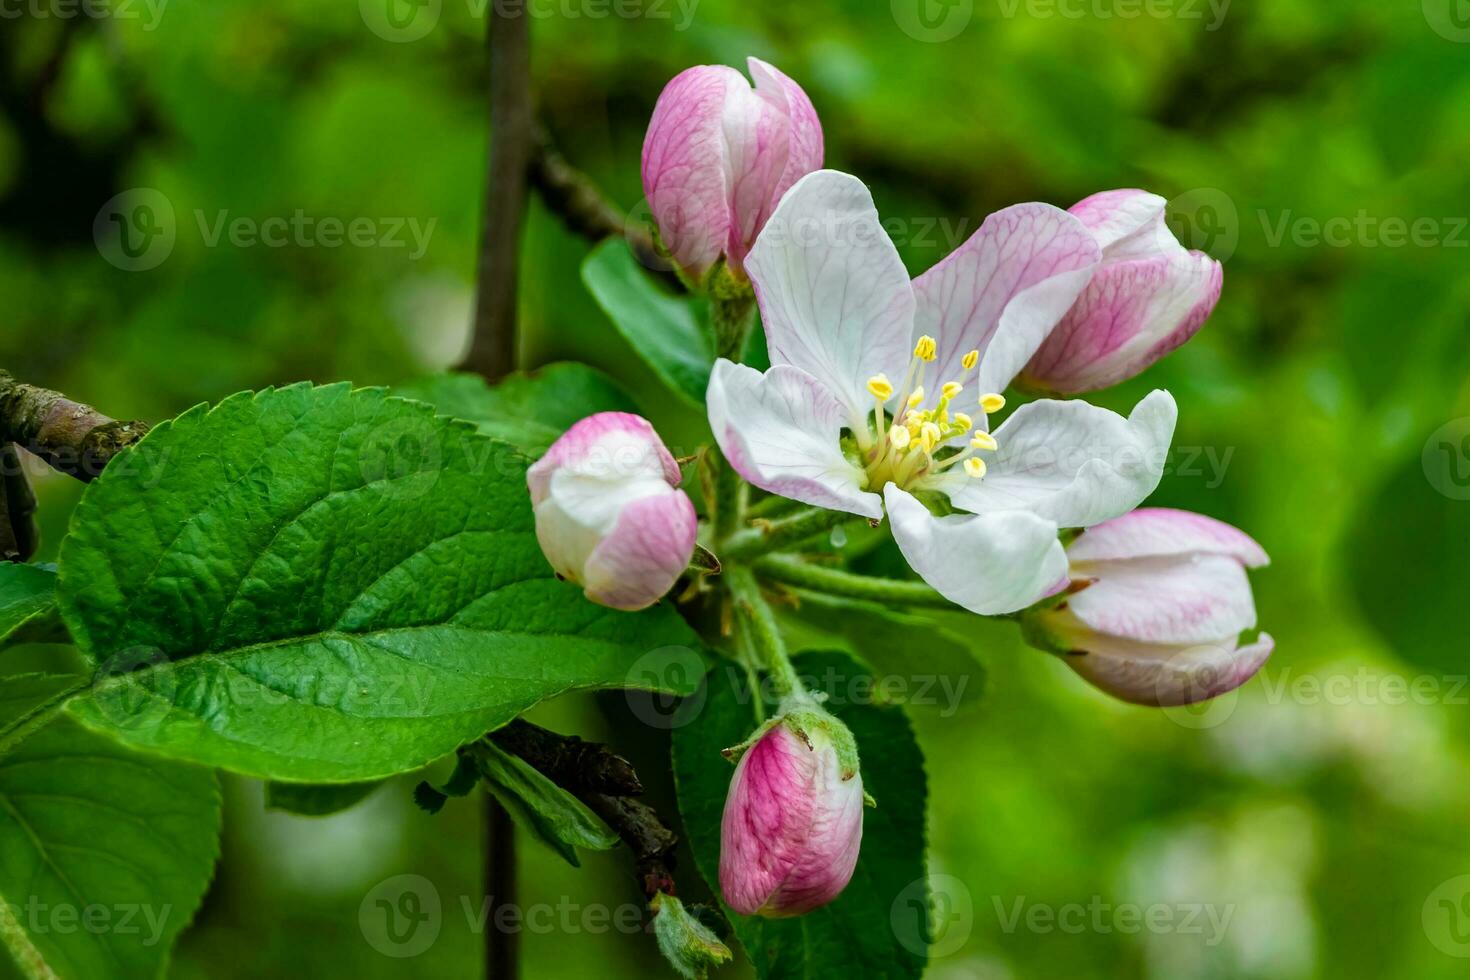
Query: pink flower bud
[793, 820]
[609, 512]
[719, 155]
[1162, 600]
[1148, 297]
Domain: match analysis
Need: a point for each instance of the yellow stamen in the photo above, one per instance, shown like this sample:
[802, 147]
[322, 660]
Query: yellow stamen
[970, 360]
[992, 403]
[899, 437]
[984, 440]
[880, 387]
[975, 467]
[917, 398]
[930, 435]
[964, 421]
[952, 389]
[926, 349]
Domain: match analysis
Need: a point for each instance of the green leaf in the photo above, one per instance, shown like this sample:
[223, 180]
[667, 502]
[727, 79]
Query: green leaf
[540, 807]
[916, 661]
[529, 409]
[870, 931]
[317, 799]
[663, 329]
[27, 594]
[28, 700]
[689, 945]
[104, 854]
[322, 585]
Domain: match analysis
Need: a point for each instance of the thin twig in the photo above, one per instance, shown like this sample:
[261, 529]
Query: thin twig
[18, 535]
[502, 946]
[508, 43]
[74, 438]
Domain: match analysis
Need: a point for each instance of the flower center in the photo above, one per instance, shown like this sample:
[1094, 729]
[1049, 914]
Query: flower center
[917, 442]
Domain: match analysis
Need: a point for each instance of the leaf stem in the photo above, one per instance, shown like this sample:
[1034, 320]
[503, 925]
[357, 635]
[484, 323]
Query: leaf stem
[834, 581]
[779, 535]
[730, 495]
[731, 317]
[758, 623]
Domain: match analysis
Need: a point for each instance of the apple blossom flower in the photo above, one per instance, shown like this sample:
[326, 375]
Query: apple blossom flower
[609, 512]
[718, 156]
[1162, 600]
[1148, 297]
[793, 820]
[863, 406]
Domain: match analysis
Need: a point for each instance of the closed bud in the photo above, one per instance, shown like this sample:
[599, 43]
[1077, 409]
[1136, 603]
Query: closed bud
[719, 155]
[609, 512]
[793, 820]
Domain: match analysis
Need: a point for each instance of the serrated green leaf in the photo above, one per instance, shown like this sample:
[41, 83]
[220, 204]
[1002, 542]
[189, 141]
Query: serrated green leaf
[27, 594]
[317, 799]
[871, 929]
[540, 807]
[528, 409]
[104, 854]
[663, 329]
[322, 585]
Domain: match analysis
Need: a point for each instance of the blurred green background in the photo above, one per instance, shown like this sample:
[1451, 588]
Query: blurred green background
[1323, 408]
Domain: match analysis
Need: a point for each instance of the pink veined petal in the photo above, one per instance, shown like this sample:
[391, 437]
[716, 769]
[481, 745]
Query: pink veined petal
[608, 446]
[685, 176]
[768, 812]
[782, 432]
[1072, 463]
[825, 865]
[648, 549]
[1127, 224]
[1168, 676]
[991, 564]
[757, 146]
[834, 296]
[1130, 315]
[805, 142]
[1158, 532]
[1175, 600]
[1003, 291]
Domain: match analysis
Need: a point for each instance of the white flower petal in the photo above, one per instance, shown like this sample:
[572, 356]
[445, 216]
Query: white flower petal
[1160, 532]
[1182, 600]
[834, 296]
[1071, 462]
[1168, 676]
[991, 564]
[1003, 291]
[782, 432]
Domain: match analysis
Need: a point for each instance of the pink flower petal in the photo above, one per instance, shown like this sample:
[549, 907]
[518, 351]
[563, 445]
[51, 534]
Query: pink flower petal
[1157, 532]
[648, 549]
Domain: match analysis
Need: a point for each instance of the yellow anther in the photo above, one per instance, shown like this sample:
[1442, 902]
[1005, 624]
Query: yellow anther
[880, 387]
[964, 421]
[926, 349]
[970, 360]
[899, 437]
[975, 467]
[992, 403]
[952, 389]
[917, 398]
[930, 435]
[984, 440]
